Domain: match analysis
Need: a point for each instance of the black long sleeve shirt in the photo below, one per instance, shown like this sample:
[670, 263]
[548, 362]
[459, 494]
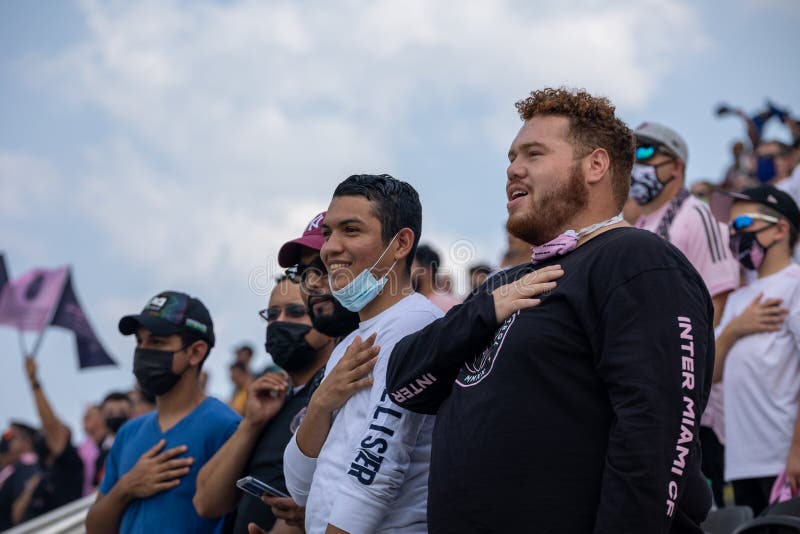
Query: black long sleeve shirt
[579, 415]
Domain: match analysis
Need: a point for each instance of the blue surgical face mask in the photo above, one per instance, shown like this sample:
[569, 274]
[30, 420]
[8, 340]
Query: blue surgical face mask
[364, 287]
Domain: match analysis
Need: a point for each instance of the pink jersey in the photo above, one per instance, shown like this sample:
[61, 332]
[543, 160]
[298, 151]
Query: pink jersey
[704, 242]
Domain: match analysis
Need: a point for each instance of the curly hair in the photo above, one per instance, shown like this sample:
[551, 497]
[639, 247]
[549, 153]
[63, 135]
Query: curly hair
[592, 124]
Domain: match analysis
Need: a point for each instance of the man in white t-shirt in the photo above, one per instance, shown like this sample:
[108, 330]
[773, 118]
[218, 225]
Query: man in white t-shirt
[358, 462]
[658, 187]
[758, 346]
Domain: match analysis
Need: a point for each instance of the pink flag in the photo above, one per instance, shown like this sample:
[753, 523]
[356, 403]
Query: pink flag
[28, 302]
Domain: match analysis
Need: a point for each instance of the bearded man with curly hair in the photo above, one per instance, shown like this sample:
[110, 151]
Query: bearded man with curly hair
[578, 410]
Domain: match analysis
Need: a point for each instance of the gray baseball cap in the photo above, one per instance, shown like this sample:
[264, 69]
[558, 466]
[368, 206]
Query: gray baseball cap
[653, 132]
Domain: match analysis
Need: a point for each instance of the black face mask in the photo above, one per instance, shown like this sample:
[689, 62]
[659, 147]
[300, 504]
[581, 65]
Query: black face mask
[746, 248]
[337, 324]
[286, 343]
[113, 423]
[153, 370]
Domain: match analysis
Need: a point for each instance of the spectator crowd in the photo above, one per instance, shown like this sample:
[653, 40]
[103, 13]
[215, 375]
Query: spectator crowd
[632, 361]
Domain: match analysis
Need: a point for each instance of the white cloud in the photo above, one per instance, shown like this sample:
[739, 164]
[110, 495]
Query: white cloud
[226, 125]
[27, 184]
[249, 107]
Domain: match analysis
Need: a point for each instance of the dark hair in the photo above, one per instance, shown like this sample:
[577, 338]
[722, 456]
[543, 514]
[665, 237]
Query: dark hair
[481, 268]
[116, 396]
[428, 258]
[238, 365]
[188, 338]
[766, 210]
[246, 347]
[592, 124]
[395, 204]
[26, 430]
[783, 148]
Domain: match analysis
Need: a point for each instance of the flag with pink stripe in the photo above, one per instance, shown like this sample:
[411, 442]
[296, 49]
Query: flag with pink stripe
[28, 302]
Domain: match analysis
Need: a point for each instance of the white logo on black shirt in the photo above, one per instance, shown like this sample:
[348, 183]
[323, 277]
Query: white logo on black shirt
[480, 367]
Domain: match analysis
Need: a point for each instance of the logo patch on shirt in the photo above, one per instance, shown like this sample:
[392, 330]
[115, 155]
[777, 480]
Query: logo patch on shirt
[480, 367]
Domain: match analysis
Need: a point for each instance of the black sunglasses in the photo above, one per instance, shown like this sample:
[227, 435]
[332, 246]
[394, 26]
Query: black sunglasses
[295, 311]
[300, 273]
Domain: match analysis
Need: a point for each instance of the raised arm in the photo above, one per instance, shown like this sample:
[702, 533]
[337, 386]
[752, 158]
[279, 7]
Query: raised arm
[217, 493]
[56, 434]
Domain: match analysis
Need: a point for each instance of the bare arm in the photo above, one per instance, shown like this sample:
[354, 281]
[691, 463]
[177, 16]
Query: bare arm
[793, 460]
[55, 432]
[719, 302]
[21, 503]
[217, 493]
[105, 515]
[280, 527]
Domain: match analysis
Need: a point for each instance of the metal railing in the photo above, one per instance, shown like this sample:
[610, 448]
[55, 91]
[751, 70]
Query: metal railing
[69, 519]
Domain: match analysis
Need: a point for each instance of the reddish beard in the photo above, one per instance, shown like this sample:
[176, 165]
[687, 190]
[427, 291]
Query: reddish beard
[549, 216]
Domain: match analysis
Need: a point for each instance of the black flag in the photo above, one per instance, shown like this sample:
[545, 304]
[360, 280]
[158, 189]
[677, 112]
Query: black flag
[70, 315]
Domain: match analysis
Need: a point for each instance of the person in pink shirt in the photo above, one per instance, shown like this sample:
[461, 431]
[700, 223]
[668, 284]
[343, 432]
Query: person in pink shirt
[89, 450]
[424, 271]
[658, 189]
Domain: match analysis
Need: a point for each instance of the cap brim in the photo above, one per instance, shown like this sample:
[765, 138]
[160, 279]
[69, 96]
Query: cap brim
[289, 254]
[721, 203]
[156, 325]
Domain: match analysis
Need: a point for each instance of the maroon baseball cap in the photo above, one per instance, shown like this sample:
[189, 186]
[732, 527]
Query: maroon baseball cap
[312, 237]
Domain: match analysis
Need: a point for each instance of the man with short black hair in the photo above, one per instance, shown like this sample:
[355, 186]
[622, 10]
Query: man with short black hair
[358, 463]
[478, 274]
[244, 355]
[424, 275]
[152, 466]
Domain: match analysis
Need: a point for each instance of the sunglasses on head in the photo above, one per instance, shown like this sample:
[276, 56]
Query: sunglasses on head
[295, 311]
[300, 273]
[645, 152]
[744, 221]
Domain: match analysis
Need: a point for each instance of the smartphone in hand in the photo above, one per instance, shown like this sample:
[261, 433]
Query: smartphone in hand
[257, 488]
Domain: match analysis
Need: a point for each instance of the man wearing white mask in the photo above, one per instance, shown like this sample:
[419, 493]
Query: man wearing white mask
[357, 462]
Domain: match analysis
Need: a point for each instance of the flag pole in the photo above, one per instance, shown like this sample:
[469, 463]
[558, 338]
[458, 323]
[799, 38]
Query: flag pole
[22, 346]
[51, 314]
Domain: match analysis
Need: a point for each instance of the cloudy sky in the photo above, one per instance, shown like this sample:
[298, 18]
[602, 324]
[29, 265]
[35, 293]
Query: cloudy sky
[168, 144]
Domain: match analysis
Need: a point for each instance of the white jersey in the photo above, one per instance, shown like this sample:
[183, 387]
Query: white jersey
[761, 381]
[372, 472]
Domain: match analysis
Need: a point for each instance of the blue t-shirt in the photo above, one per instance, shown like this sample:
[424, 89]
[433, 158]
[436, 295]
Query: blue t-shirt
[203, 432]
